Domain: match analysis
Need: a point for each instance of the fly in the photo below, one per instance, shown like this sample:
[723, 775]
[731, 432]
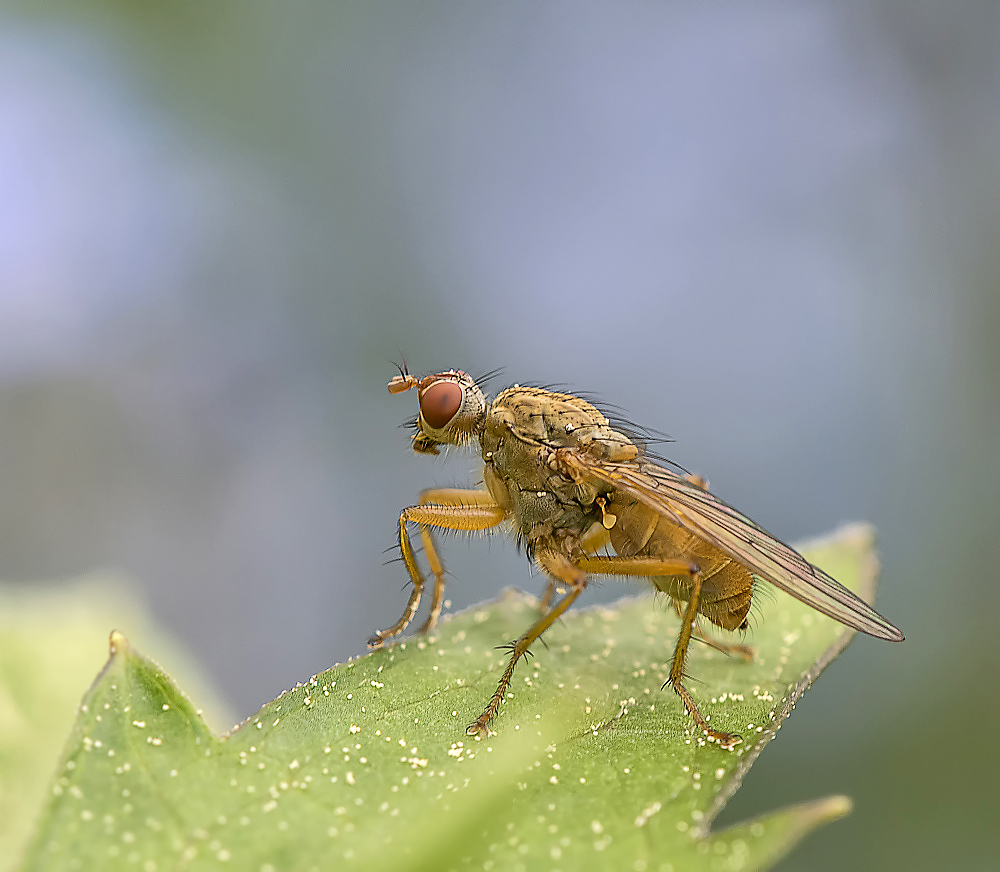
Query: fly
[568, 483]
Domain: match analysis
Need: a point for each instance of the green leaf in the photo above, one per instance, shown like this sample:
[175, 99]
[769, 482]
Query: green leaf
[368, 764]
[52, 642]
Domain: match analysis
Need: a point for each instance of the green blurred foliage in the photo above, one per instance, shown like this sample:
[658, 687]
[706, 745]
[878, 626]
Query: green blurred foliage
[52, 644]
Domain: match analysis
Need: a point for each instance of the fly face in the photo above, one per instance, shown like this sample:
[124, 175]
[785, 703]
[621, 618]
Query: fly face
[451, 408]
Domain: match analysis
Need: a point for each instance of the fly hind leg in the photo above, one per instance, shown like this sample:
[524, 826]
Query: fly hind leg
[744, 652]
[676, 679]
[734, 649]
[654, 566]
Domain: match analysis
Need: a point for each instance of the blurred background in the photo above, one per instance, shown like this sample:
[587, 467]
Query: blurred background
[771, 232]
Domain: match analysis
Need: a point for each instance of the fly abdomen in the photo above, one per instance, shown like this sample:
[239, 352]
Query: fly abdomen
[727, 586]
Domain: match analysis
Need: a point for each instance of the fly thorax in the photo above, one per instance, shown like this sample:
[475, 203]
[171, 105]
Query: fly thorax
[543, 514]
[606, 443]
[535, 512]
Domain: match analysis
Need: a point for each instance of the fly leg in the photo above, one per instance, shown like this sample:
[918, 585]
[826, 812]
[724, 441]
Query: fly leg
[744, 652]
[446, 509]
[726, 740]
[652, 566]
[562, 570]
[545, 600]
[594, 540]
[459, 497]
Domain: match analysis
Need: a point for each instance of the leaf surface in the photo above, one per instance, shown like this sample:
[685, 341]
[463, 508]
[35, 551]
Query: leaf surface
[367, 765]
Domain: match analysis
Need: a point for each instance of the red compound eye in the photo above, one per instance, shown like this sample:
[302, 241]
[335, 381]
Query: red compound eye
[440, 403]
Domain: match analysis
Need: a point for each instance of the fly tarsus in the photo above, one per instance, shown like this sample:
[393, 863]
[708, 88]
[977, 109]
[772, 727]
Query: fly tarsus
[379, 638]
[725, 740]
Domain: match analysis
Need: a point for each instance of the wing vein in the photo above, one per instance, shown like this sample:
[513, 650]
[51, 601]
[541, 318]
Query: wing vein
[704, 514]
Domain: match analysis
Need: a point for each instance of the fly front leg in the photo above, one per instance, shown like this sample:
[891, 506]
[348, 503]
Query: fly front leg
[562, 570]
[446, 509]
[652, 566]
[459, 498]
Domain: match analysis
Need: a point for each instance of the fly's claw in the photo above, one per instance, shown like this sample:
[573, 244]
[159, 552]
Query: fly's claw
[378, 639]
[725, 740]
[479, 727]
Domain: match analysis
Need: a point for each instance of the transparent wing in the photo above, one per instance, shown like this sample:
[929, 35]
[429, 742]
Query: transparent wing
[704, 514]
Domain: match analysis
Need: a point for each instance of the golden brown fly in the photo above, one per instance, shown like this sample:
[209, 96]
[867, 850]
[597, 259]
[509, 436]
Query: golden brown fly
[568, 483]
